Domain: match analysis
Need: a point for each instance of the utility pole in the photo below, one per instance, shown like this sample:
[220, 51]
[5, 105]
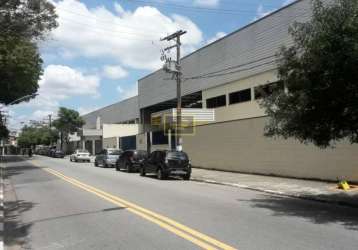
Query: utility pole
[49, 125]
[49, 120]
[178, 74]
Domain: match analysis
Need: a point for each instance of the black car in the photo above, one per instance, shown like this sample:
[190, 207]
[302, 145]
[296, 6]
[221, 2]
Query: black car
[51, 152]
[131, 160]
[58, 154]
[165, 163]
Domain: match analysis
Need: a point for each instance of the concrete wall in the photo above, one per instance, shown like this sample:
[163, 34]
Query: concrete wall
[111, 142]
[159, 147]
[119, 130]
[240, 146]
[142, 141]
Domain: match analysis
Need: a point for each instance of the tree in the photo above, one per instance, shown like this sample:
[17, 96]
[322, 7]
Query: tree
[4, 132]
[23, 23]
[68, 122]
[34, 135]
[20, 69]
[320, 101]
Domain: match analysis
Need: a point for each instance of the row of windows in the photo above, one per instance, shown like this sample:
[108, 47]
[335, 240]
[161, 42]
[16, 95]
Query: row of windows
[243, 95]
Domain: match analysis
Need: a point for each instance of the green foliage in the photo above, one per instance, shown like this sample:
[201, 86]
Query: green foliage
[69, 121]
[22, 23]
[29, 19]
[20, 68]
[320, 73]
[4, 132]
[31, 136]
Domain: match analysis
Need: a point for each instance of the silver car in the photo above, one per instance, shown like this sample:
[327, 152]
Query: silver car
[80, 155]
[107, 157]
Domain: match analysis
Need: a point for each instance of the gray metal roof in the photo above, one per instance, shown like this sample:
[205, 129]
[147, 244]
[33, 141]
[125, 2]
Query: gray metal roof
[116, 113]
[260, 39]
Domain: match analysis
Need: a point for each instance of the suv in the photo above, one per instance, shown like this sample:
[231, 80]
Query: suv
[131, 160]
[165, 163]
[107, 157]
[80, 155]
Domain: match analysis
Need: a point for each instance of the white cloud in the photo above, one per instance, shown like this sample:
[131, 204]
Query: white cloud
[114, 72]
[58, 83]
[125, 93]
[261, 12]
[123, 36]
[216, 37]
[207, 3]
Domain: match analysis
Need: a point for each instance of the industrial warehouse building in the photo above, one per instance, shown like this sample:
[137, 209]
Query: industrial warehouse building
[223, 77]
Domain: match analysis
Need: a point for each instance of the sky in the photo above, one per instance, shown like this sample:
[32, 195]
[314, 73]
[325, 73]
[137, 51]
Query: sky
[102, 47]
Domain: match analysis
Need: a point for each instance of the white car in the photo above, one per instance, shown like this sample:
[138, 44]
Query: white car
[80, 155]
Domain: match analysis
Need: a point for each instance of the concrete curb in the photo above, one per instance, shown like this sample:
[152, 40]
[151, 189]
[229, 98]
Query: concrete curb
[280, 193]
[2, 210]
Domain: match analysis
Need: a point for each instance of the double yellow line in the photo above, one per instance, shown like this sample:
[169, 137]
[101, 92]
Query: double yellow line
[197, 238]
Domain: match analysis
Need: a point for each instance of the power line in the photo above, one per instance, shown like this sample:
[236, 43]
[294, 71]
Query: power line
[236, 66]
[203, 9]
[108, 21]
[209, 75]
[111, 32]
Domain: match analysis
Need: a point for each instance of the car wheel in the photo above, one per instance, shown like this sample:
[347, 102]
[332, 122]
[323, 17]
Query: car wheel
[160, 174]
[186, 176]
[95, 163]
[70, 159]
[142, 171]
[128, 167]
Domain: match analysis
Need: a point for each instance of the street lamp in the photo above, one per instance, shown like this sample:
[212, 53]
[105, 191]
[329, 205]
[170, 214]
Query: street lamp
[23, 98]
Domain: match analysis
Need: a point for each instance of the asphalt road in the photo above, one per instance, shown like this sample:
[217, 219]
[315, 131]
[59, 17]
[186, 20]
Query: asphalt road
[58, 204]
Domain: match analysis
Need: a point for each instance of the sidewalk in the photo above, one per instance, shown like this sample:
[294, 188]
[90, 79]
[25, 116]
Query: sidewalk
[304, 189]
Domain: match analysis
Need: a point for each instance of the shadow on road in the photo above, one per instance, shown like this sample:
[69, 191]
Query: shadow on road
[15, 232]
[316, 212]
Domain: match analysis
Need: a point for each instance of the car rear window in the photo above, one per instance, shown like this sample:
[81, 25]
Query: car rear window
[114, 152]
[177, 155]
[82, 151]
[140, 154]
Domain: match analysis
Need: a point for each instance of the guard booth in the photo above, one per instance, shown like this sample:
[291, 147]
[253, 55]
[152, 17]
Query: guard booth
[163, 126]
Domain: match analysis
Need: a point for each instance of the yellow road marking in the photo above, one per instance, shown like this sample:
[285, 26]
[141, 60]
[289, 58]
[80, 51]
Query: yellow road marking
[164, 222]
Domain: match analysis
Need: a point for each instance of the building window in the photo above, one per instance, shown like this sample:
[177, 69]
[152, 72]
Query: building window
[240, 96]
[216, 102]
[267, 89]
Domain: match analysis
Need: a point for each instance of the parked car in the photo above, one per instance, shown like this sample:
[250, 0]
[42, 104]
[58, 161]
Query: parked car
[58, 154]
[131, 160]
[165, 163]
[107, 157]
[51, 152]
[80, 155]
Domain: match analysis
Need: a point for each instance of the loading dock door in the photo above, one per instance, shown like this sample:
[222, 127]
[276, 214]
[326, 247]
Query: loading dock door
[128, 142]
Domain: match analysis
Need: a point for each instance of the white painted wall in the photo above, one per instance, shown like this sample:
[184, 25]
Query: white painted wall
[240, 110]
[120, 130]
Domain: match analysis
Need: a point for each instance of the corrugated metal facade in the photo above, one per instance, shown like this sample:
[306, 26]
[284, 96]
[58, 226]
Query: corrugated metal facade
[115, 113]
[253, 42]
